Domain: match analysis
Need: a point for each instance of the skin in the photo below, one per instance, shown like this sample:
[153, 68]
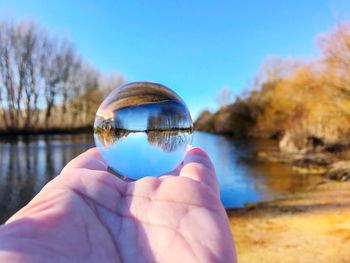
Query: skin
[86, 214]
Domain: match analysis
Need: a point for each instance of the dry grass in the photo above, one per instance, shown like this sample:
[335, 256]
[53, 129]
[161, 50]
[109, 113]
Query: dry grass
[307, 227]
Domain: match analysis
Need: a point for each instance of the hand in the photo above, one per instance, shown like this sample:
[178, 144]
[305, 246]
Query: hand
[86, 214]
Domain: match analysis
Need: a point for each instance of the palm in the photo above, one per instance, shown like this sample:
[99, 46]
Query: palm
[88, 215]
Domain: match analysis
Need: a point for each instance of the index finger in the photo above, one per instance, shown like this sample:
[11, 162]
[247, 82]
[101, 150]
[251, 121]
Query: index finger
[197, 166]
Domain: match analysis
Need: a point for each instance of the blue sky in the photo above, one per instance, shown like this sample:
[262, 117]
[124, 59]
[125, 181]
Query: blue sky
[194, 47]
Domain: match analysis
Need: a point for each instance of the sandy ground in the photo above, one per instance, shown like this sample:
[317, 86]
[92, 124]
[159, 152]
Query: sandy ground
[312, 226]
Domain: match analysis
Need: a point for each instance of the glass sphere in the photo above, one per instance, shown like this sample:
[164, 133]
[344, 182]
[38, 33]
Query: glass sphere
[143, 129]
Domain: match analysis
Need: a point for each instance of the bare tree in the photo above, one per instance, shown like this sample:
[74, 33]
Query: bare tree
[336, 56]
[44, 83]
[224, 97]
[7, 75]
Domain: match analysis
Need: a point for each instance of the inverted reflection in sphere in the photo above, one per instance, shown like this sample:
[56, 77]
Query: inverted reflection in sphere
[143, 129]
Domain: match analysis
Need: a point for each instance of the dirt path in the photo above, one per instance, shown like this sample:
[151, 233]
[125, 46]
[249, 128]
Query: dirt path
[307, 227]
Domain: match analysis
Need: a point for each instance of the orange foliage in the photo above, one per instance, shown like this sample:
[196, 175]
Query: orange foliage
[305, 101]
[314, 99]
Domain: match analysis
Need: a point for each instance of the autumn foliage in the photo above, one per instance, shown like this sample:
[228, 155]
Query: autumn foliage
[304, 103]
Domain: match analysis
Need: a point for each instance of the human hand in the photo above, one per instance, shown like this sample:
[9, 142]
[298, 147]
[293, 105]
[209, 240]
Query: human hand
[86, 214]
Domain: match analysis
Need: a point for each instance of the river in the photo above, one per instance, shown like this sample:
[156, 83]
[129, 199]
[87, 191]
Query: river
[27, 163]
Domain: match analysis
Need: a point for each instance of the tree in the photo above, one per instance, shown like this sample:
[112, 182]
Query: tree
[335, 47]
[224, 97]
[44, 83]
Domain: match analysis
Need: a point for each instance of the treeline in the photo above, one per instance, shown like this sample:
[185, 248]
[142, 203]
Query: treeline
[44, 83]
[306, 105]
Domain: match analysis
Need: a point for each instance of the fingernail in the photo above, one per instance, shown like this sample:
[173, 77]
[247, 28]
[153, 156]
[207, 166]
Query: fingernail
[197, 150]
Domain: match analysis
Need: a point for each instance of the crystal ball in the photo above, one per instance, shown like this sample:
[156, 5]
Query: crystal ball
[143, 129]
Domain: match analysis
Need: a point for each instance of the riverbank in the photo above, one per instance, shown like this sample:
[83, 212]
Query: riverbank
[310, 226]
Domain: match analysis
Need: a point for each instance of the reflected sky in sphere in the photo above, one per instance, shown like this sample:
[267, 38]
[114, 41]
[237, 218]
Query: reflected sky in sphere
[143, 129]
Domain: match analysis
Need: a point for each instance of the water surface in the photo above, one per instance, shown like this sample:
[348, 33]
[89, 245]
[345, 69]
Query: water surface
[27, 163]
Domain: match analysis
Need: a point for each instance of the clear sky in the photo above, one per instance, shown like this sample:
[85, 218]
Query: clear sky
[194, 47]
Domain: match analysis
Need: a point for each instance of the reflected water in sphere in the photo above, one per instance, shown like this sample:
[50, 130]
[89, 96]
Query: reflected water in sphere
[143, 129]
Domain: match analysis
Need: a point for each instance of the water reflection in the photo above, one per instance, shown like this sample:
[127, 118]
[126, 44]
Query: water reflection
[27, 163]
[243, 178]
[169, 141]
